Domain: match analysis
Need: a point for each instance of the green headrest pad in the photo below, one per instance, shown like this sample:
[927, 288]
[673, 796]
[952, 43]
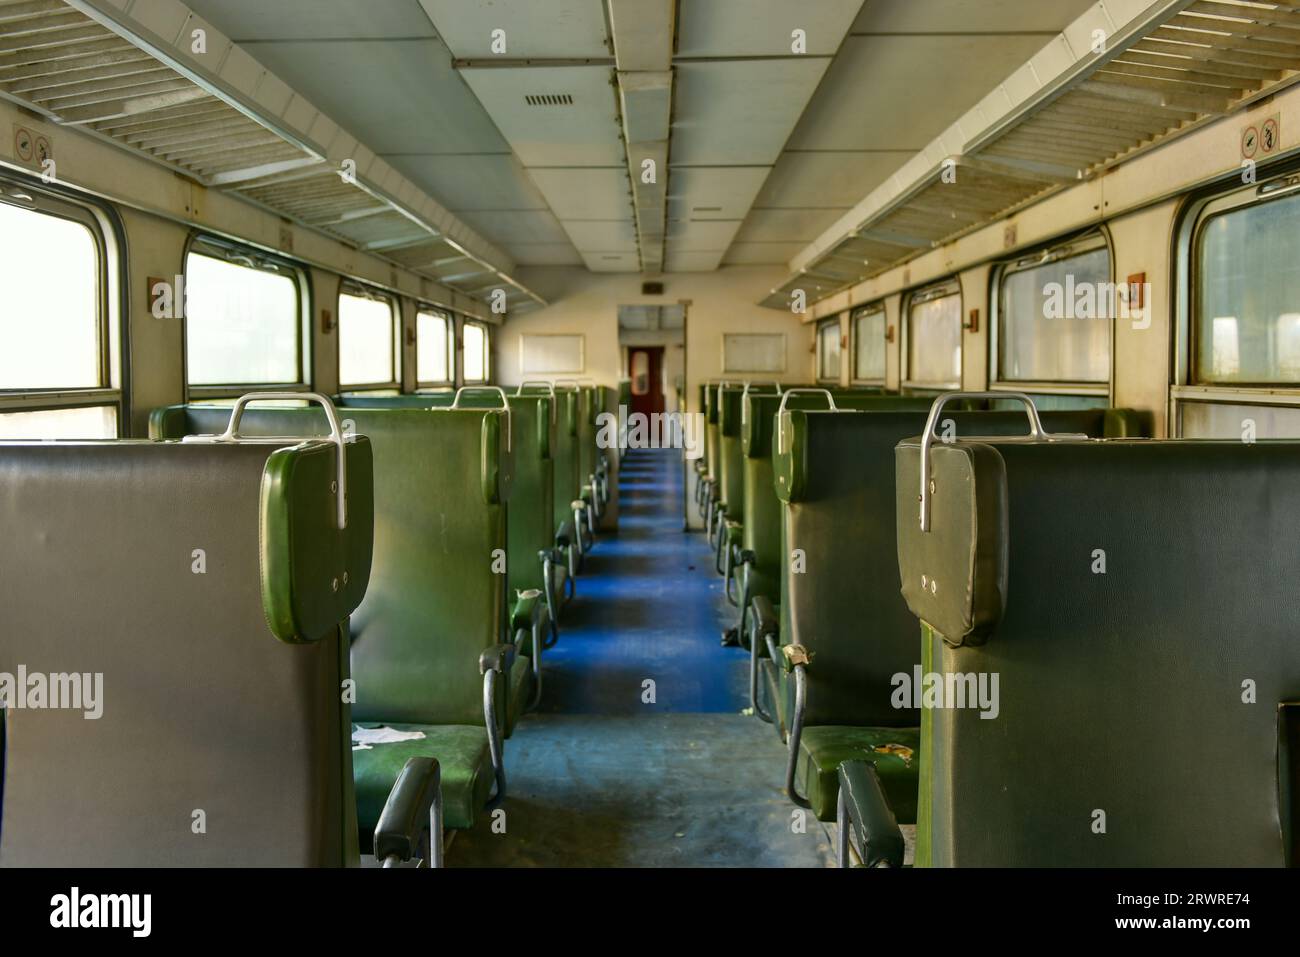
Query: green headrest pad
[314, 574]
[954, 575]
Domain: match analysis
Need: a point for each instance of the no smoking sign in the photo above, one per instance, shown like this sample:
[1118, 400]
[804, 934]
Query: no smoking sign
[1262, 138]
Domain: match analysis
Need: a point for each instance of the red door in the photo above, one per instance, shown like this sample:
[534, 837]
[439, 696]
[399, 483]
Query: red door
[645, 368]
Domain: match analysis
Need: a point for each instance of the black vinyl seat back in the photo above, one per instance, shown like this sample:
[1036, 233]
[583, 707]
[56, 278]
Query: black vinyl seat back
[1137, 602]
[835, 476]
[209, 586]
[442, 480]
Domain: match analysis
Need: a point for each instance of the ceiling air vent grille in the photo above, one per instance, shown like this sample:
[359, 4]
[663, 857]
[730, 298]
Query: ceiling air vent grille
[549, 99]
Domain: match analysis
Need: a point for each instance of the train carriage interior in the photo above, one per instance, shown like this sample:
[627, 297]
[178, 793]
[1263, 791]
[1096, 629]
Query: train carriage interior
[649, 433]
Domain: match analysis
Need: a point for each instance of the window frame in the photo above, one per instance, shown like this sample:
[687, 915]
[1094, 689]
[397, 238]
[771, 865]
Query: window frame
[1077, 245]
[927, 293]
[108, 238]
[1198, 209]
[856, 314]
[361, 290]
[487, 351]
[214, 246]
[822, 326]
[449, 320]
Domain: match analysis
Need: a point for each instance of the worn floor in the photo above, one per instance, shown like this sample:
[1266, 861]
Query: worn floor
[639, 755]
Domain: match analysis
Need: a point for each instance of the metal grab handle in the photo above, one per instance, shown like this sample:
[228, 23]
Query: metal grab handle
[505, 402]
[1036, 434]
[540, 384]
[569, 385]
[505, 405]
[336, 435]
[789, 392]
[785, 396]
[744, 398]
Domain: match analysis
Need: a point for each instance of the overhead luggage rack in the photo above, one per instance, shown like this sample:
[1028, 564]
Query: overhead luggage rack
[1098, 95]
[131, 77]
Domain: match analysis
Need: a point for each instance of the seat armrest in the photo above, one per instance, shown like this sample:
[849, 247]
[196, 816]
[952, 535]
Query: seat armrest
[406, 813]
[498, 658]
[864, 807]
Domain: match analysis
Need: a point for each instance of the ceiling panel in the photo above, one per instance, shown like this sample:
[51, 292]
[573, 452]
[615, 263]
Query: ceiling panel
[761, 27]
[836, 179]
[712, 235]
[544, 254]
[516, 226]
[968, 16]
[713, 193]
[692, 261]
[556, 28]
[786, 225]
[585, 193]
[884, 92]
[612, 261]
[598, 237]
[395, 96]
[314, 19]
[749, 254]
[584, 132]
[740, 112]
[472, 182]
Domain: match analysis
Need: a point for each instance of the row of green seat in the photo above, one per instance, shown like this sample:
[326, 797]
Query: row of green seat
[478, 493]
[828, 630]
[175, 639]
[1133, 600]
[445, 509]
[1104, 672]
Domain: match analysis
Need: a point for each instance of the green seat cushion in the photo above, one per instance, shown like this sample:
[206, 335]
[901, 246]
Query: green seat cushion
[822, 748]
[521, 689]
[463, 759]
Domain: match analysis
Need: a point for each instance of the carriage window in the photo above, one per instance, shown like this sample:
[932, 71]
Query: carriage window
[367, 339]
[869, 344]
[934, 338]
[1247, 301]
[474, 337]
[433, 332]
[1054, 316]
[1245, 423]
[828, 350]
[58, 352]
[242, 321]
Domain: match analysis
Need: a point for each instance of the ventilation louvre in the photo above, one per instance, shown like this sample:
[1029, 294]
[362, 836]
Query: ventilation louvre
[549, 99]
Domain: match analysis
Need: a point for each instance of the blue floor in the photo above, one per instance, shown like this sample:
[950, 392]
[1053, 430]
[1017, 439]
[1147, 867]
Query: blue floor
[648, 607]
[599, 778]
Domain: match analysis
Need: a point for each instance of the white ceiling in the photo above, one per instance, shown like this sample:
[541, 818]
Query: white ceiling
[767, 148]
